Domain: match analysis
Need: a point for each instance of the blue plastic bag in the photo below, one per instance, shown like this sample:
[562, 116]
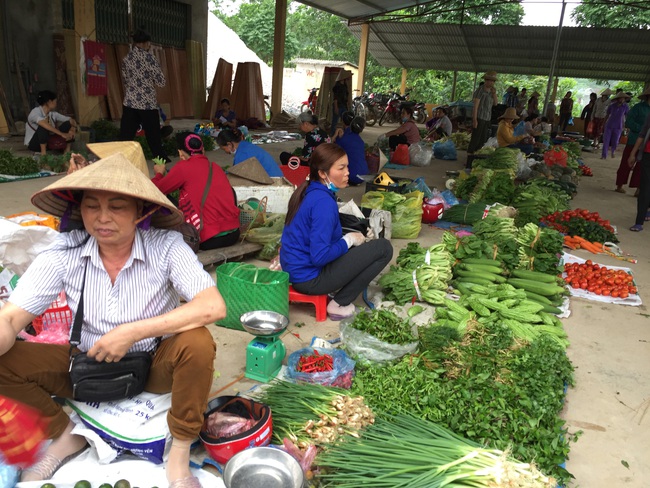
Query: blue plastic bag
[341, 374]
[8, 475]
[520, 129]
[444, 150]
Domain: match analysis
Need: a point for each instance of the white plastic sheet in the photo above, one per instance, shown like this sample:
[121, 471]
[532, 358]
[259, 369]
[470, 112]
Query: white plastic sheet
[19, 245]
[632, 300]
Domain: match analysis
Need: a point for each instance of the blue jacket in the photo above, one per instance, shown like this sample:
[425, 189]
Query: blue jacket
[354, 147]
[314, 237]
[247, 150]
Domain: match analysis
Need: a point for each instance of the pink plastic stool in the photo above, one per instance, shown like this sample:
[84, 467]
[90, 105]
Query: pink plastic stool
[319, 301]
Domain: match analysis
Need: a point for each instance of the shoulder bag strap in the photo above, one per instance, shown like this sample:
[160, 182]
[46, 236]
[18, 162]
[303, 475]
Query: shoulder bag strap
[75, 333]
[205, 196]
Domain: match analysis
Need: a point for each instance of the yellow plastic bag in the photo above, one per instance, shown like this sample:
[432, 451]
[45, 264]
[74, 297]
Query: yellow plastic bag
[32, 218]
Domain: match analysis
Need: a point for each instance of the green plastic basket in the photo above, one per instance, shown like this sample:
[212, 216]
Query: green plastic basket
[246, 288]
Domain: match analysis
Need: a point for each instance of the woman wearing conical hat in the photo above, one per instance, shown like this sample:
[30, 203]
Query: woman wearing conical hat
[129, 272]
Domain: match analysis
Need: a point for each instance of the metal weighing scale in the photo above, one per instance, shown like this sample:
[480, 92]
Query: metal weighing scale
[264, 354]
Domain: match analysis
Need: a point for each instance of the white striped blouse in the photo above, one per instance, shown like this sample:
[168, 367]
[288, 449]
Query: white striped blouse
[160, 269]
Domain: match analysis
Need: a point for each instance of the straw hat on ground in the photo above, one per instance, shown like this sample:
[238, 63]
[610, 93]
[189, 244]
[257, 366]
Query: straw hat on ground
[251, 170]
[646, 94]
[510, 113]
[606, 92]
[490, 75]
[131, 149]
[113, 174]
[622, 95]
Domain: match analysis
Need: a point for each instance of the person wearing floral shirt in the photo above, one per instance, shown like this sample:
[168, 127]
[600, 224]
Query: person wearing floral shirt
[142, 73]
[314, 137]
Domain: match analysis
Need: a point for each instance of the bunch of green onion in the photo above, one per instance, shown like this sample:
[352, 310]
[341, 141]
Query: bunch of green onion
[405, 451]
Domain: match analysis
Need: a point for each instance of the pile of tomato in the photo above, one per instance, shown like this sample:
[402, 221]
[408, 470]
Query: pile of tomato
[555, 219]
[599, 279]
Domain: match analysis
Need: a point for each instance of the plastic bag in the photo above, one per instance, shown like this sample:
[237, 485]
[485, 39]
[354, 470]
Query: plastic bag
[401, 155]
[419, 154]
[445, 150]
[224, 424]
[369, 347]
[341, 374]
[407, 216]
[449, 198]
[491, 142]
[418, 184]
[270, 231]
[520, 129]
[8, 474]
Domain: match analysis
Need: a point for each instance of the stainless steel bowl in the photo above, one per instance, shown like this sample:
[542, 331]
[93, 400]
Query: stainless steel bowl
[263, 322]
[263, 467]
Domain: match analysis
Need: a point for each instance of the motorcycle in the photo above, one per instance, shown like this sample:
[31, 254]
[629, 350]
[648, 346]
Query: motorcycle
[419, 111]
[310, 104]
[391, 113]
[364, 106]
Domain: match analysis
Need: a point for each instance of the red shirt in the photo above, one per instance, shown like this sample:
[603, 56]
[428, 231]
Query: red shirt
[220, 212]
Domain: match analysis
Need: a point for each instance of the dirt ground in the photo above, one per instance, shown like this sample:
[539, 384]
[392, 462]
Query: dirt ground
[610, 344]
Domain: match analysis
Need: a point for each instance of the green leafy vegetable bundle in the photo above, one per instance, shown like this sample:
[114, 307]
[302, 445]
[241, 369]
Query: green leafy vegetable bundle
[13, 165]
[540, 248]
[385, 326]
[471, 212]
[501, 393]
[501, 158]
[536, 199]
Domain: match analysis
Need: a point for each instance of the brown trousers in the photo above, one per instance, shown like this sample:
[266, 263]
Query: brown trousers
[183, 364]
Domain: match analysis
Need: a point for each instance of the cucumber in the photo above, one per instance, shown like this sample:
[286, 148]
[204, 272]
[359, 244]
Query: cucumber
[533, 275]
[544, 289]
[537, 298]
[551, 309]
[481, 268]
[483, 261]
[495, 278]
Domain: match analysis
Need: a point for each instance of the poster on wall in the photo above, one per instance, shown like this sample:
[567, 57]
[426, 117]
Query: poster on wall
[96, 80]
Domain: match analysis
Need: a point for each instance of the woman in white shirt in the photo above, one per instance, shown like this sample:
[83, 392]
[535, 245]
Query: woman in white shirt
[44, 121]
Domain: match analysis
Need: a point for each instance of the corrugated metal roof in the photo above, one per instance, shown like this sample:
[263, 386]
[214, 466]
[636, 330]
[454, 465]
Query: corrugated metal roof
[606, 54]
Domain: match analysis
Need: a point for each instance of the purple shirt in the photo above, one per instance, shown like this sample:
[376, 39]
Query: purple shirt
[616, 114]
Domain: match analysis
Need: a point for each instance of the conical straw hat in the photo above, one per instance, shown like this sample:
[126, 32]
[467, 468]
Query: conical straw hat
[251, 169]
[114, 174]
[131, 149]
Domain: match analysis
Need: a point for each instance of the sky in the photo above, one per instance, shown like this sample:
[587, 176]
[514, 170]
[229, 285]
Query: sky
[540, 12]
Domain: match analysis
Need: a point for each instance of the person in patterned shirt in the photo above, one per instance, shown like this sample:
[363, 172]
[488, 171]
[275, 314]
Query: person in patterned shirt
[141, 73]
[314, 137]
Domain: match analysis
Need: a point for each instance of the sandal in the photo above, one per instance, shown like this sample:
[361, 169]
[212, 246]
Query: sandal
[49, 464]
[647, 216]
[636, 228]
[619, 190]
[189, 482]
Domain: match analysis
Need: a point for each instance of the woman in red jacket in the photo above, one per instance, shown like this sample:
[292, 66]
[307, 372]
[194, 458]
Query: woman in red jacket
[212, 210]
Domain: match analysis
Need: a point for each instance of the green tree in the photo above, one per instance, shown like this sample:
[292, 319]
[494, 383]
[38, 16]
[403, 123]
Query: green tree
[621, 14]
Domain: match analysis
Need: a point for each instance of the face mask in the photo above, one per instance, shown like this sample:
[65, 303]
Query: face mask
[405, 119]
[331, 186]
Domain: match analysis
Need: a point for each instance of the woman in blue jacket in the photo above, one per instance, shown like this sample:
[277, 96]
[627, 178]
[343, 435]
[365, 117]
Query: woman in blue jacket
[318, 257]
[232, 142]
[351, 142]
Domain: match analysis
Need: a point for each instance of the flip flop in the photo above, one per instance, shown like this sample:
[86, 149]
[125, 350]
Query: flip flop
[636, 228]
[619, 190]
[647, 216]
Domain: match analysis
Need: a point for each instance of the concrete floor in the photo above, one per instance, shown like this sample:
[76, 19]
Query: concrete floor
[610, 345]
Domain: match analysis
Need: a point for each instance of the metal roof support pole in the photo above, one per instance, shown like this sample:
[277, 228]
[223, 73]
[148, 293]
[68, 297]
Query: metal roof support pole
[363, 57]
[403, 86]
[278, 55]
[453, 86]
[556, 48]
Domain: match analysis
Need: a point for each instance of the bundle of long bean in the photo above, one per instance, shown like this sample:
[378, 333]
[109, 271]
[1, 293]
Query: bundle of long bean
[404, 451]
[313, 414]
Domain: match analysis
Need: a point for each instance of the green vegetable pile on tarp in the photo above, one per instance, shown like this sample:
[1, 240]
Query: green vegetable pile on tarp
[13, 165]
[406, 211]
